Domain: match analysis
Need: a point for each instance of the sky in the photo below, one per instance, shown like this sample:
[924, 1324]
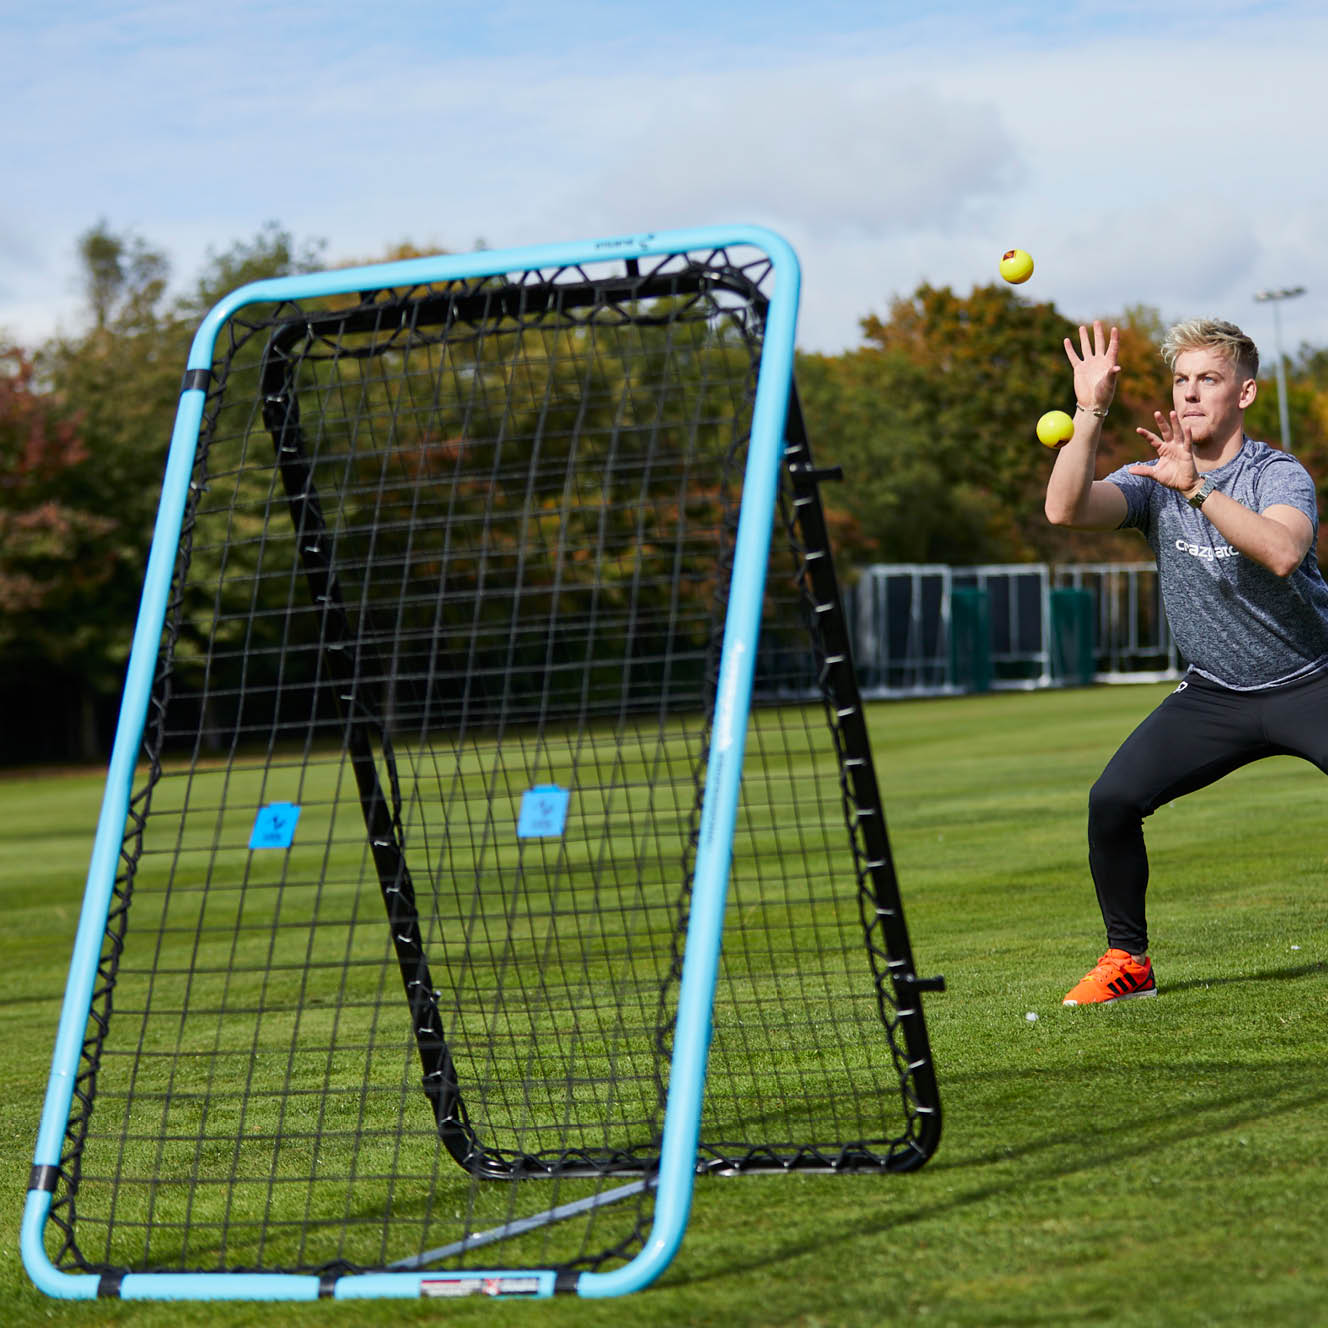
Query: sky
[1170, 156]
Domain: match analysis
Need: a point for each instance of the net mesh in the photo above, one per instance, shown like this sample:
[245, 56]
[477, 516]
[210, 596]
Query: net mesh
[393, 958]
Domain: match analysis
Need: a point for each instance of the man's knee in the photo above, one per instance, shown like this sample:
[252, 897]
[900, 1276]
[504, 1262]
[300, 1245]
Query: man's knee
[1113, 806]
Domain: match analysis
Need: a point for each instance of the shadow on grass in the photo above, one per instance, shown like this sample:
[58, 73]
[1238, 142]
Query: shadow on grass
[1272, 975]
[1106, 1140]
[1171, 1118]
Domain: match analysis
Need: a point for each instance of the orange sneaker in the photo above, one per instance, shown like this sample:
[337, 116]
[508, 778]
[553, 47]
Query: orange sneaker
[1116, 978]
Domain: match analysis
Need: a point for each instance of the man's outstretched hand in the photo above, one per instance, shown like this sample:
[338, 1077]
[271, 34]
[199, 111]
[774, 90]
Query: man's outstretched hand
[1095, 367]
[1174, 466]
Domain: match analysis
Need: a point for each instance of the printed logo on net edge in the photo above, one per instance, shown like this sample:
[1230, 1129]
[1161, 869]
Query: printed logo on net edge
[480, 1286]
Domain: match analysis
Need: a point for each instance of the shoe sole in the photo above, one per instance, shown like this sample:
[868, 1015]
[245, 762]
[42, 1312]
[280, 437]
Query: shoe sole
[1129, 996]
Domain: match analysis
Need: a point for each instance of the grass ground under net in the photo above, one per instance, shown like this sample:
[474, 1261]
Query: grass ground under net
[1160, 1163]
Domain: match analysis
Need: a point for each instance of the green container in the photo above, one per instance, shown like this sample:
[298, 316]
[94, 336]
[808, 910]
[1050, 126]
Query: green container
[1073, 636]
[970, 640]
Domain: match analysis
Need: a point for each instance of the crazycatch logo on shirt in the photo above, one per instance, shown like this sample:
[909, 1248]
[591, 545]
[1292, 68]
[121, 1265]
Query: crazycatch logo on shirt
[1207, 551]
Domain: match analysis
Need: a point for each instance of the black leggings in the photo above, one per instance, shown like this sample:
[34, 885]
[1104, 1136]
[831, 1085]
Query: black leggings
[1198, 734]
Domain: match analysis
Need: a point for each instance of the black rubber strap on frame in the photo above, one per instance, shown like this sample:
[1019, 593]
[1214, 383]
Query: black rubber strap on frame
[44, 1179]
[108, 1286]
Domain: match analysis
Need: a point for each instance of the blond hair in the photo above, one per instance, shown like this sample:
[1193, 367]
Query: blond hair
[1216, 335]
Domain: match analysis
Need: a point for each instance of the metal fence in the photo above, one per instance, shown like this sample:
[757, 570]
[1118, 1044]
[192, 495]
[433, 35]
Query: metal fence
[927, 629]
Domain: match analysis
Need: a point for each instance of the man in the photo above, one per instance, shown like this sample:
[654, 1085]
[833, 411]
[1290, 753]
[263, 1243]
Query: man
[1232, 523]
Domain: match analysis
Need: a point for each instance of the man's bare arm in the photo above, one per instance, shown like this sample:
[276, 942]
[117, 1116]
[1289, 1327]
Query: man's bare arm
[1074, 497]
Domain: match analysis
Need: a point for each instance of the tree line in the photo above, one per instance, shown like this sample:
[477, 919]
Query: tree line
[931, 417]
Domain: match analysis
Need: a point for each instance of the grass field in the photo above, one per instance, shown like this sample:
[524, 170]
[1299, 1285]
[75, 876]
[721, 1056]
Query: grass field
[1156, 1164]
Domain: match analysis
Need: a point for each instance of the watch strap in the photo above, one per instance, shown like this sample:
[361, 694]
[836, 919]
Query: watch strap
[1206, 487]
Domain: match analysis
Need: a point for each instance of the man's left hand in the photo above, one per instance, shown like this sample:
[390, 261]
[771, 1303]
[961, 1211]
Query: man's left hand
[1174, 466]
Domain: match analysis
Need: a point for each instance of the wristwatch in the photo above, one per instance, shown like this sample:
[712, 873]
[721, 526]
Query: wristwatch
[1208, 485]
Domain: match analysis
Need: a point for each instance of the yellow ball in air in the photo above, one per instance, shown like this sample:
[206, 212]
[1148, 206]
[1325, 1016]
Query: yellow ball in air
[1054, 428]
[1016, 266]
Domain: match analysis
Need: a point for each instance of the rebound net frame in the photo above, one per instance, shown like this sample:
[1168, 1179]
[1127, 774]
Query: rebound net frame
[686, 319]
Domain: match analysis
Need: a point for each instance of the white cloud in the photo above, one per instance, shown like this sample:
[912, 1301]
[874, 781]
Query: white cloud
[1144, 156]
[836, 161]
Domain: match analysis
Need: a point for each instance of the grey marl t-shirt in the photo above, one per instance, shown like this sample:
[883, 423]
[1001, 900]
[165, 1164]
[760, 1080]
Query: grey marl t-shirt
[1234, 621]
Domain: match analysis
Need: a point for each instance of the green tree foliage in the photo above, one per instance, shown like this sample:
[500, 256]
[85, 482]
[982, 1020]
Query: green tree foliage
[122, 276]
[87, 420]
[58, 551]
[53, 544]
[121, 378]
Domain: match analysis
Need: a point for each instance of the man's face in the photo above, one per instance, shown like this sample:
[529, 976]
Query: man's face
[1210, 396]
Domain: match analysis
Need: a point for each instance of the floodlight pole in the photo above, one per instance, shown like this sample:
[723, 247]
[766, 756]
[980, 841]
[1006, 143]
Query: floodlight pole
[1275, 297]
